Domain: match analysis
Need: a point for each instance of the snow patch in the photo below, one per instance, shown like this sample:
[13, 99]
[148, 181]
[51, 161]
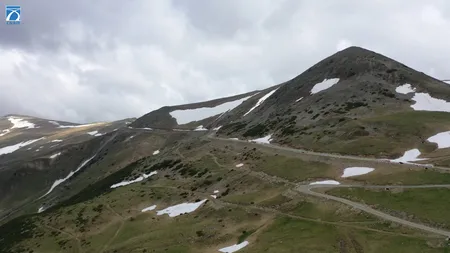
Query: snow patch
[239, 165]
[217, 128]
[55, 155]
[325, 84]
[150, 208]
[265, 139]
[182, 208]
[156, 152]
[216, 191]
[409, 156]
[356, 171]
[235, 139]
[405, 89]
[260, 101]
[424, 101]
[234, 248]
[56, 140]
[41, 209]
[4, 132]
[20, 123]
[77, 126]
[332, 182]
[94, 133]
[189, 115]
[213, 196]
[200, 128]
[139, 179]
[15, 147]
[60, 181]
[441, 139]
[299, 99]
[54, 123]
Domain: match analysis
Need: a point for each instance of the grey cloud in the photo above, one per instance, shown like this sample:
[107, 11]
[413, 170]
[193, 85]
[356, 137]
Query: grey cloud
[103, 60]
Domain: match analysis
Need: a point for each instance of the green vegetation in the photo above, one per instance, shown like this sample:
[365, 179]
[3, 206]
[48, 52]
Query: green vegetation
[291, 235]
[405, 177]
[327, 211]
[386, 135]
[426, 205]
[245, 235]
[293, 169]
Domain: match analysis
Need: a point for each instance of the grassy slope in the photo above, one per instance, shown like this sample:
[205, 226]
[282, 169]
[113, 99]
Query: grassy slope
[103, 220]
[387, 135]
[426, 205]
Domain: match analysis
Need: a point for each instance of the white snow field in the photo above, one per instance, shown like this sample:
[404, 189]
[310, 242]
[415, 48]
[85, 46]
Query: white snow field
[215, 194]
[77, 126]
[17, 123]
[139, 179]
[150, 208]
[189, 115]
[405, 89]
[20, 123]
[94, 133]
[265, 139]
[41, 209]
[332, 182]
[234, 248]
[441, 139]
[217, 128]
[424, 101]
[4, 132]
[55, 155]
[60, 181]
[142, 128]
[409, 156]
[325, 84]
[239, 165]
[56, 140]
[182, 208]
[156, 152]
[54, 122]
[15, 147]
[299, 99]
[261, 100]
[356, 171]
[200, 128]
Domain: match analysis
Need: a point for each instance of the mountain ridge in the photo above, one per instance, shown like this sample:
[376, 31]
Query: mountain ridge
[241, 170]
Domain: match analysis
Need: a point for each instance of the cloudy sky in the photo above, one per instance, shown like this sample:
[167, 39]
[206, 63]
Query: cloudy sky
[84, 60]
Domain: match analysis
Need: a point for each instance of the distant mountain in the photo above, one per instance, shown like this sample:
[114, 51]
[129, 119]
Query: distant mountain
[346, 103]
[247, 165]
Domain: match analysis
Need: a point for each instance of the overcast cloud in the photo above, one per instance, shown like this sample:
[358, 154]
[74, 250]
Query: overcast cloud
[83, 61]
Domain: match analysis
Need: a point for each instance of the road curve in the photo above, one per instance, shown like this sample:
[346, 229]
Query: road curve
[378, 186]
[307, 152]
[307, 190]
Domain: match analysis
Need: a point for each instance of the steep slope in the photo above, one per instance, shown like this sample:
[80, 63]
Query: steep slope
[203, 115]
[348, 103]
[35, 153]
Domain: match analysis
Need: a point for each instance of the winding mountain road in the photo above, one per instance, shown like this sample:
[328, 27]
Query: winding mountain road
[307, 189]
[307, 152]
